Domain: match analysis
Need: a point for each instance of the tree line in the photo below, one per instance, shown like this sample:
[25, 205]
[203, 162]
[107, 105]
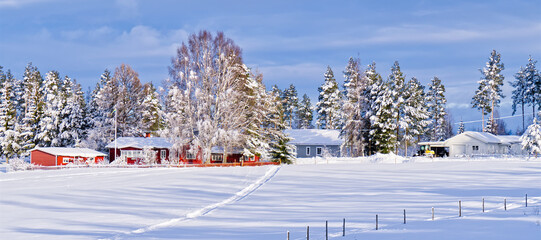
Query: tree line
[212, 98]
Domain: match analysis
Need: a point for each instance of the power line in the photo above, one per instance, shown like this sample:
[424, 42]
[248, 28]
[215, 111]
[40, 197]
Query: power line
[512, 116]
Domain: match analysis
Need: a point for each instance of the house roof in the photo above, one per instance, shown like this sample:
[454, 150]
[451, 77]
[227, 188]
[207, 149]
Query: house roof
[66, 151]
[510, 138]
[235, 150]
[140, 142]
[314, 136]
[490, 138]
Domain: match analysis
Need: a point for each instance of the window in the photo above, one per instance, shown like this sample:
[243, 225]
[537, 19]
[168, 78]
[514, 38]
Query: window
[67, 160]
[190, 156]
[217, 157]
[131, 153]
[307, 151]
[475, 148]
[163, 154]
[319, 150]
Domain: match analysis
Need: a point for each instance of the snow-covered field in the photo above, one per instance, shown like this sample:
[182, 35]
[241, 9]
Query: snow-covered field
[266, 202]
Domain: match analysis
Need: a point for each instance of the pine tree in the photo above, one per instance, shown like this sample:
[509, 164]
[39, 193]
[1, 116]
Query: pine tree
[291, 105]
[373, 81]
[519, 93]
[382, 121]
[9, 131]
[352, 132]
[531, 139]
[256, 143]
[73, 122]
[489, 93]
[329, 104]
[532, 81]
[152, 110]
[415, 115]
[32, 108]
[435, 98]
[53, 103]
[280, 150]
[304, 113]
[460, 127]
[100, 114]
[397, 89]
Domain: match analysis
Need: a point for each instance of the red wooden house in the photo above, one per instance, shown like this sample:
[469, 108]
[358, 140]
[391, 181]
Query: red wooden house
[58, 156]
[132, 149]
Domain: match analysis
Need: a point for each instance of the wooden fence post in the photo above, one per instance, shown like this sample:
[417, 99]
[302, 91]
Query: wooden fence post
[344, 228]
[432, 213]
[307, 232]
[376, 222]
[505, 204]
[287, 235]
[526, 200]
[460, 208]
[404, 216]
[483, 204]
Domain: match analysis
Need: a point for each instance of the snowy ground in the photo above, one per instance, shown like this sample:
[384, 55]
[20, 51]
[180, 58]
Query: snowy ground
[266, 202]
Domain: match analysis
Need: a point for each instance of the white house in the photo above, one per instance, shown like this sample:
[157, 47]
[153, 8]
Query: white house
[482, 143]
[315, 142]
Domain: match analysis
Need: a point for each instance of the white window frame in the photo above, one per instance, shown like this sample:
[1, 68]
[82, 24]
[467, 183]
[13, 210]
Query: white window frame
[475, 148]
[67, 160]
[163, 154]
[307, 151]
[217, 157]
[319, 151]
[190, 156]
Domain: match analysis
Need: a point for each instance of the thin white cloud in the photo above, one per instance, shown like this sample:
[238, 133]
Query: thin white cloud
[19, 3]
[127, 8]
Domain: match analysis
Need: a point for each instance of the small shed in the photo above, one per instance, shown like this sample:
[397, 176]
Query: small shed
[132, 148]
[58, 156]
[315, 142]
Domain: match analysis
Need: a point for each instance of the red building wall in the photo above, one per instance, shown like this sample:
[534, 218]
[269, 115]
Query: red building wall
[38, 157]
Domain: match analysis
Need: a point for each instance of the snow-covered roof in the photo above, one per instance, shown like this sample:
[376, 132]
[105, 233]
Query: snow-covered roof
[509, 138]
[140, 142]
[314, 136]
[490, 138]
[66, 151]
[235, 150]
[484, 137]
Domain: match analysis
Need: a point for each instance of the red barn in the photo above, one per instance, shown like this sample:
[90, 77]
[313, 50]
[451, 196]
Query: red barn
[133, 149]
[58, 156]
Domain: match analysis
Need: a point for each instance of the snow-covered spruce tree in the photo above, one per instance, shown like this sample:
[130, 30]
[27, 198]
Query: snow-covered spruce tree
[73, 123]
[355, 84]
[53, 103]
[519, 93]
[416, 114]
[100, 115]
[532, 79]
[531, 139]
[436, 101]
[9, 130]
[290, 101]
[207, 76]
[460, 127]
[382, 122]
[373, 80]
[305, 113]
[489, 93]
[329, 106]
[152, 110]
[255, 137]
[397, 89]
[32, 82]
[280, 150]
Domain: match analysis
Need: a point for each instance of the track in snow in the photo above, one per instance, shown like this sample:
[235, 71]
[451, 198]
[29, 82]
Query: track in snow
[205, 210]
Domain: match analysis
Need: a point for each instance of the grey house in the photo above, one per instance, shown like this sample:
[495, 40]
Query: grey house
[315, 142]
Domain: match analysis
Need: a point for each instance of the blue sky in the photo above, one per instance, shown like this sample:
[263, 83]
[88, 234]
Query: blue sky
[287, 41]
